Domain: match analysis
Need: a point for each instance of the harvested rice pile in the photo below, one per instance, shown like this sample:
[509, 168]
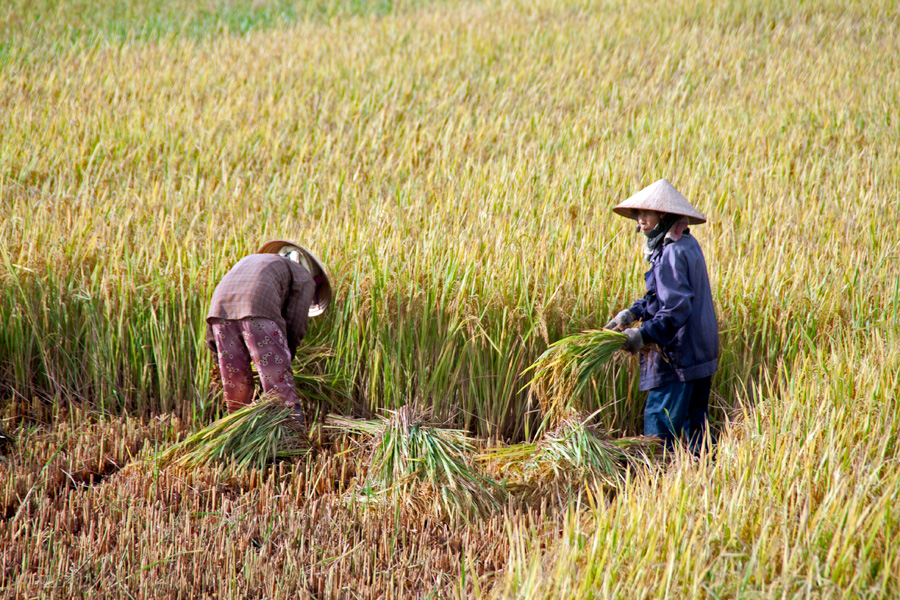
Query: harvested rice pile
[572, 456]
[410, 462]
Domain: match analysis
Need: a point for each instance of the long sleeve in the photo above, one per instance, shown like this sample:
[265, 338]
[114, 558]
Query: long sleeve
[296, 308]
[677, 314]
[675, 294]
[638, 309]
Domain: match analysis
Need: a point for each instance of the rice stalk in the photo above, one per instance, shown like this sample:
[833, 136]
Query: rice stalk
[562, 373]
[253, 436]
[422, 466]
[317, 380]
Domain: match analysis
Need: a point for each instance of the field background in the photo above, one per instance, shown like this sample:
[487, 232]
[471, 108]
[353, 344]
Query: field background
[454, 164]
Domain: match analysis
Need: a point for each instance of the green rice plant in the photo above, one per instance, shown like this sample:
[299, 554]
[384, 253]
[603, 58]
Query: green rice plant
[422, 466]
[319, 380]
[253, 436]
[564, 371]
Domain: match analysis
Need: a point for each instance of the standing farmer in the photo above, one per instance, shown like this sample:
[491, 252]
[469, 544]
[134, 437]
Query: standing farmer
[676, 314]
[260, 311]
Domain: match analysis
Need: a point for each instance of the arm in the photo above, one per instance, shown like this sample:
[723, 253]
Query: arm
[296, 309]
[638, 308]
[210, 339]
[675, 294]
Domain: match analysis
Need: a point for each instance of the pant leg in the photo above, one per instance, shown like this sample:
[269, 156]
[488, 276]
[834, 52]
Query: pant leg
[698, 414]
[268, 347]
[666, 412]
[234, 363]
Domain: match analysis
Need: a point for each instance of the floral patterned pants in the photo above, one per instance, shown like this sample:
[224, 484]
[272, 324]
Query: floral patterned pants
[263, 342]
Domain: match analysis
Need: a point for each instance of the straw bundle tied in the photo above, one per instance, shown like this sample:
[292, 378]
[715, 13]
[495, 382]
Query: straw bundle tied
[265, 431]
[422, 466]
[253, 436]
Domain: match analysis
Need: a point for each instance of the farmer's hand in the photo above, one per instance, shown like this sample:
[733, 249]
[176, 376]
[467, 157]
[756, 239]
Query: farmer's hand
[621, 321]
[634, 342]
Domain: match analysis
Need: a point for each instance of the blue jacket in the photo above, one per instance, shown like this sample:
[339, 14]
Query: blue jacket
[677, 314]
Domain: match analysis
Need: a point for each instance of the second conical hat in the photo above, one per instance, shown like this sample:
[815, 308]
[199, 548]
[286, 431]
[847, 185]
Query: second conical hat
[661, 197]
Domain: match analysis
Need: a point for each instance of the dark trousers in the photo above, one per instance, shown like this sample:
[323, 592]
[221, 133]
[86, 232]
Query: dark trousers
[679, 411]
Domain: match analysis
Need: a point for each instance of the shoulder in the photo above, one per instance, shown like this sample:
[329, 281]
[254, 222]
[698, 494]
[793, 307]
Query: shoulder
[257, 261]
[678, 256]
[674, 251]
[686, 243]
[299, 272]
[685, 248]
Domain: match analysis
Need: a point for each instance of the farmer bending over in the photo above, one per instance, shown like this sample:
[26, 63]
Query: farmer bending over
[676, 314]
[260, 311]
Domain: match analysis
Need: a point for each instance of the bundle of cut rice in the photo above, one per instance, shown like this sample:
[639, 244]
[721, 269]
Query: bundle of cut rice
[562, 373]
[253, 436]
[421, 466]
[570, 456]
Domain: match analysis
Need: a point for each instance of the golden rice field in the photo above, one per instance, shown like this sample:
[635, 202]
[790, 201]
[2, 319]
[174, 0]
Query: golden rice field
[454, 163]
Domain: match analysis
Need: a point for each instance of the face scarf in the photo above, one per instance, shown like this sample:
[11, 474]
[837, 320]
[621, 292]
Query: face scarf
[657, 236]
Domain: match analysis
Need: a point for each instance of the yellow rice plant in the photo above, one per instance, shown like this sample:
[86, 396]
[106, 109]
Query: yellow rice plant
[565, 370]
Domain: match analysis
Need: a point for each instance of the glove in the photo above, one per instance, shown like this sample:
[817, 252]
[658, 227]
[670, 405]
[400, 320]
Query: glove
[622, 320]
[634, 342]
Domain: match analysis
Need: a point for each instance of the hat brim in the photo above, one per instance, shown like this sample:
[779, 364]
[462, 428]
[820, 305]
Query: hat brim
[631, 213]
[660, 196]
[323, 295]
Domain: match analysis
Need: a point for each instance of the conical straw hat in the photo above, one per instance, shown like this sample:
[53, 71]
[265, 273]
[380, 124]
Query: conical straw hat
[661, 197]
[299, 254]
